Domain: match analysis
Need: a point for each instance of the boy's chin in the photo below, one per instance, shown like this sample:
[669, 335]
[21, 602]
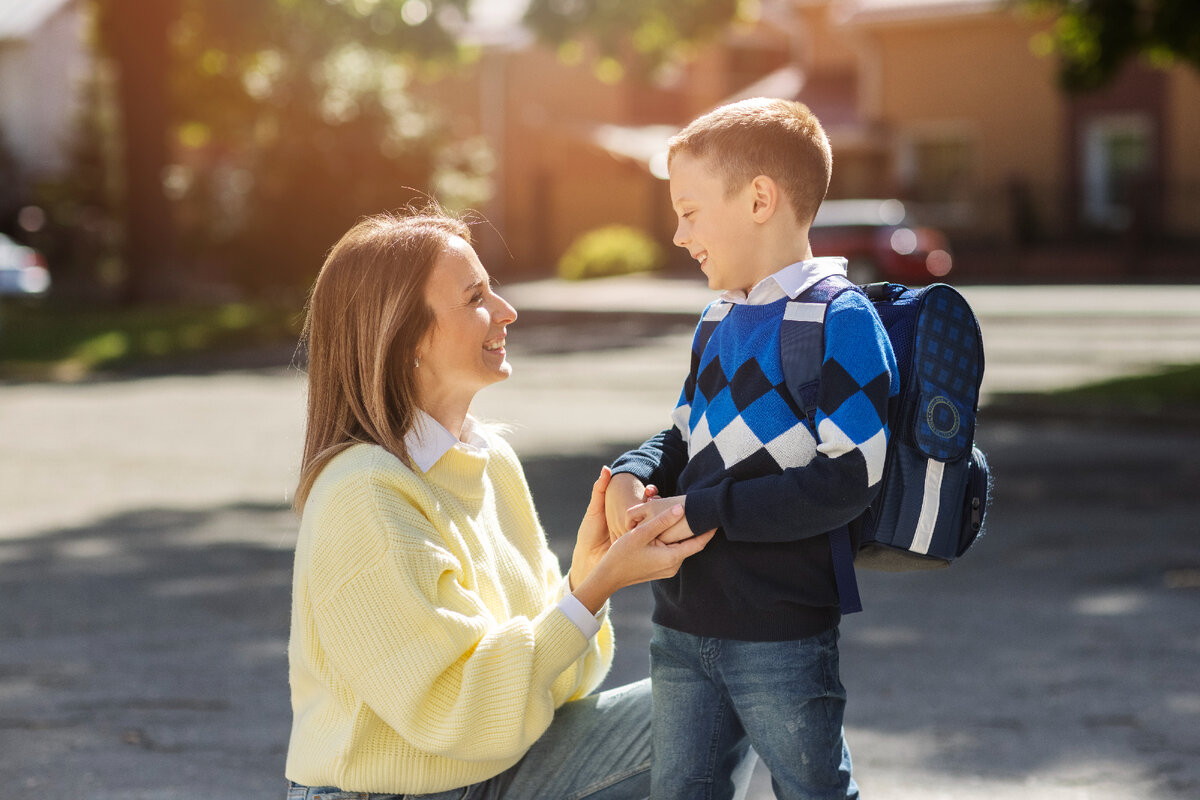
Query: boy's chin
[718, 285]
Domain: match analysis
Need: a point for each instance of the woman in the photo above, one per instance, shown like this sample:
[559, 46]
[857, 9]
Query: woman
[436, 649]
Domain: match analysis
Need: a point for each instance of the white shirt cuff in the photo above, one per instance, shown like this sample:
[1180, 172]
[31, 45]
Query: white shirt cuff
[576, 612]
[588, 625]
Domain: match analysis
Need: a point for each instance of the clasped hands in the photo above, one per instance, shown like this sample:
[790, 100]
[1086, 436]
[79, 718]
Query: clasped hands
[628, 535]
[628, 503]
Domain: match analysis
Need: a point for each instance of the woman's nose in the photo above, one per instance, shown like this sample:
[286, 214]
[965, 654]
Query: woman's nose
[505, 314]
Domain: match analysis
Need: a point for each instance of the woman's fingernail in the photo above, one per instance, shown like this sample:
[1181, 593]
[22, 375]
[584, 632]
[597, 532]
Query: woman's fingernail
[677, 510]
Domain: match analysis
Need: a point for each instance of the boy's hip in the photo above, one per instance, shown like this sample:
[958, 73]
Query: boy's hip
[781, 674]
[733, 610]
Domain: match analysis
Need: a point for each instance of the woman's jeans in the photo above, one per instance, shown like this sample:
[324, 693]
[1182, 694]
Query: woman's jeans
[714, 699]
[596, 748]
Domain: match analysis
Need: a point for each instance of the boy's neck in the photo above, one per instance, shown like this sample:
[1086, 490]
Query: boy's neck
[773, 256]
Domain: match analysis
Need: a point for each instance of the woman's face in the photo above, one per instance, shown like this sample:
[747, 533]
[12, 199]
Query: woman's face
[464, 349]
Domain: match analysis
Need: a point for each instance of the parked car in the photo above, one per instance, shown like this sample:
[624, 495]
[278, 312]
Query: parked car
[23, 270]
[881, 242]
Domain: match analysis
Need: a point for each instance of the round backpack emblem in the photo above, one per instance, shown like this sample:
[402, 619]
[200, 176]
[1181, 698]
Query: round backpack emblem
[942, 417]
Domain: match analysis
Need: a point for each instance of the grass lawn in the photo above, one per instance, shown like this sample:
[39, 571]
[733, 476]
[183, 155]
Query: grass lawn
[1177, 386]
[48, 340]
[1170, 394]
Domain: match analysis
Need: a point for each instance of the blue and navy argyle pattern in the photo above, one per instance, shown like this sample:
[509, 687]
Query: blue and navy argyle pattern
[739, 417]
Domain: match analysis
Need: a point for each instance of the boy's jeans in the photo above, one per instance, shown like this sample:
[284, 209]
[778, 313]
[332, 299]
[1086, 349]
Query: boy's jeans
[597, 748]
[715, 698]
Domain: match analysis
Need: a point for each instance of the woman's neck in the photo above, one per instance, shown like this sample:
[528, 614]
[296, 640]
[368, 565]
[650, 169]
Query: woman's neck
[451, 416]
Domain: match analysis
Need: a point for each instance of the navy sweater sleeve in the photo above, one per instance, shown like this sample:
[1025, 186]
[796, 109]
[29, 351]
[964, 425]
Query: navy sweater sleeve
[661, 458]
[858, 381]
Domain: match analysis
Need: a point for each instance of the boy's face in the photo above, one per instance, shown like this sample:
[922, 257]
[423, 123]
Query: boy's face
[714, 228]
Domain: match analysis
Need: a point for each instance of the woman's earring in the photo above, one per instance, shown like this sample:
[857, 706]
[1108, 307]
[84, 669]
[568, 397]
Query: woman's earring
[416, 362]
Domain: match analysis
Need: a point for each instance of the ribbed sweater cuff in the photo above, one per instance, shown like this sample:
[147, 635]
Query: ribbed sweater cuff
[560, 644]
[702, 508]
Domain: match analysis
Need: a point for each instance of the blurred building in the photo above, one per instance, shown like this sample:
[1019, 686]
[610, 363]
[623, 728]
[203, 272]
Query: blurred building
[951, 105]
[44, 60]
[973, 127]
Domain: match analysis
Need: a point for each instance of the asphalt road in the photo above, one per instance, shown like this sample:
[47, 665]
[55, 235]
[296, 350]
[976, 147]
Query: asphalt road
[145, 557]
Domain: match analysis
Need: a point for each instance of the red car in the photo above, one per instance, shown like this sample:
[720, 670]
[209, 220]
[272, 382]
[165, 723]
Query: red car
[22, 270]
[881, 242]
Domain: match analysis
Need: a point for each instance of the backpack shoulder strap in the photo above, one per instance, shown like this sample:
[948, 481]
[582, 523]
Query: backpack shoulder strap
[801, 353]
[713, 314]
[802, 340]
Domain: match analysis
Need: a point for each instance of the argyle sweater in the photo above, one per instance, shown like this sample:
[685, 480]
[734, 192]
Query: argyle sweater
[773, 483]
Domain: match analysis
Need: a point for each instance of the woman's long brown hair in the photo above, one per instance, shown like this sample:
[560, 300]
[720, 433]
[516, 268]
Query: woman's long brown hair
[366, 316]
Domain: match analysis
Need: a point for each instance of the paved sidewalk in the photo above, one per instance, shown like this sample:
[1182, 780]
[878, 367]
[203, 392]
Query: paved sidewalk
[145, 557]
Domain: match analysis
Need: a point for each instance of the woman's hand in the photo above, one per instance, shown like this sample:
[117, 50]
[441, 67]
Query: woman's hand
[600, 566]
[653, 506]
[624, 492]
[593, 540]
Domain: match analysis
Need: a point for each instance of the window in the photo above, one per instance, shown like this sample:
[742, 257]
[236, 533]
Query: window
[1117, 160]
[943, 169]
[937, 167]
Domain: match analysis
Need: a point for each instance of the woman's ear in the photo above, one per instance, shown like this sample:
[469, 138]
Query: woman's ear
[764, 194]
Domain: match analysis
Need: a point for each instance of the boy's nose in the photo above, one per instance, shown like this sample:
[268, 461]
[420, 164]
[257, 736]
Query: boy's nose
[680, 239]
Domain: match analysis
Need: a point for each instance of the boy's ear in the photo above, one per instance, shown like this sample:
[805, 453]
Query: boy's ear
[764, 194]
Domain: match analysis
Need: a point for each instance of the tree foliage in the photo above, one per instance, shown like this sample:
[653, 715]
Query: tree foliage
[280, 123]
[1095, 38]
[303, 116]
[639, 34]
[256, 131]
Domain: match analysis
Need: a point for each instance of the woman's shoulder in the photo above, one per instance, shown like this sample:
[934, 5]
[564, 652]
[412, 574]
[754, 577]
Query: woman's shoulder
[361, 470]
[497, 441]
[501, 454]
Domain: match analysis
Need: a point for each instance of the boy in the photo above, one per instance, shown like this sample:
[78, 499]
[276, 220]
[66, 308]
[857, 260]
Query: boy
[744, 651]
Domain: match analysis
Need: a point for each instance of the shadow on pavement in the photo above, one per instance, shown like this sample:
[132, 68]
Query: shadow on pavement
[145, 655]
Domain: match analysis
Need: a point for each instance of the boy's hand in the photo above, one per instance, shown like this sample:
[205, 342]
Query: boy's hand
[655, 506]
[624, 492]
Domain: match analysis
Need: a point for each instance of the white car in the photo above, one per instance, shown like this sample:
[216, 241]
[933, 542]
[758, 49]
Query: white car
[23, 271]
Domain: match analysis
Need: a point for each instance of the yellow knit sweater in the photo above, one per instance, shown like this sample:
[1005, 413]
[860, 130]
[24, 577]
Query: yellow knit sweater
[427, 651]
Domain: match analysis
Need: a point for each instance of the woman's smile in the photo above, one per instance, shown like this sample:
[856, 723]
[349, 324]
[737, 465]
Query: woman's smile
[465, 348]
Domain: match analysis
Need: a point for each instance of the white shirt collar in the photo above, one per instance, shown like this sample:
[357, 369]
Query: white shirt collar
[429, 440]
[789, 281]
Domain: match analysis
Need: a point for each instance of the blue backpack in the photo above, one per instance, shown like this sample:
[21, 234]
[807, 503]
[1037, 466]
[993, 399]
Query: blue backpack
[934, 490]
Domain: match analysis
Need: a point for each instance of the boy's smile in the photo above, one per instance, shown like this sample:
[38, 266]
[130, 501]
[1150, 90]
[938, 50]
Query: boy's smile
[715, 228]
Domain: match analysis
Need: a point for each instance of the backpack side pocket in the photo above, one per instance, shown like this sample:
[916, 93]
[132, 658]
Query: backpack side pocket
[979, 482]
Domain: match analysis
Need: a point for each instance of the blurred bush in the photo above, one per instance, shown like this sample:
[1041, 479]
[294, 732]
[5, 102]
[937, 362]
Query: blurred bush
[611, 250]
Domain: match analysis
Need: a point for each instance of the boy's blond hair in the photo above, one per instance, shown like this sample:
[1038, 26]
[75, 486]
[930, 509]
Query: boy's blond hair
[781, 139]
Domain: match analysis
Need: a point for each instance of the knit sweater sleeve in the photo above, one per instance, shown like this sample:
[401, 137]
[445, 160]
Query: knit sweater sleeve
[589, 670]
[404, 624]
[858, 380]
[661, 458]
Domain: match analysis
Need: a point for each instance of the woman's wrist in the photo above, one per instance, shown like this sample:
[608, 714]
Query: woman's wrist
[592, 591]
